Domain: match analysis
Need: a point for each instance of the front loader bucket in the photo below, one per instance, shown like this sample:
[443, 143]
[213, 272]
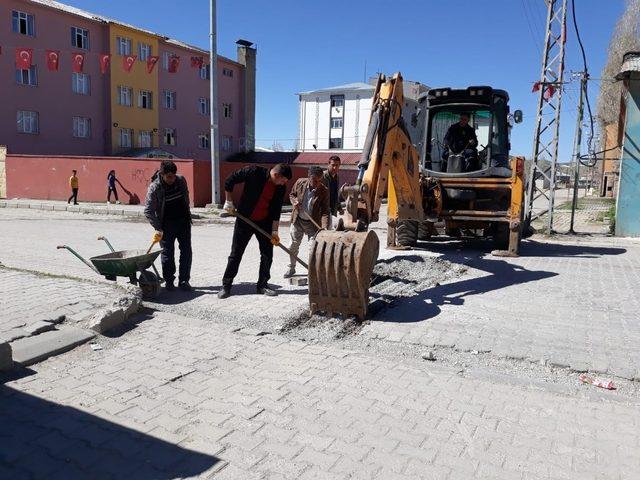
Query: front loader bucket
[340, 268]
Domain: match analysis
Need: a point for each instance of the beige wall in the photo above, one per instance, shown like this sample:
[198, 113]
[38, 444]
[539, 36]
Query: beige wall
[3, 176]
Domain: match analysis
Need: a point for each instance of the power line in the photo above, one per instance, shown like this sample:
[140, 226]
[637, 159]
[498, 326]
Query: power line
[586, 86]
[533, 36]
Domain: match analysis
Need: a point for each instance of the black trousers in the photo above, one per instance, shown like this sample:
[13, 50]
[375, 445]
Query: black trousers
[74, 196]
[115, 192]
[242, 233]
[173, 230]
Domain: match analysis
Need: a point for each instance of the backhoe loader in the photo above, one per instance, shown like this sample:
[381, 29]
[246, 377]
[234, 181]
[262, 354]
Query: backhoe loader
[463, 191]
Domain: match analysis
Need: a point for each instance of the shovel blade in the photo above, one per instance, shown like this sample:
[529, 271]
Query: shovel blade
[340, 268]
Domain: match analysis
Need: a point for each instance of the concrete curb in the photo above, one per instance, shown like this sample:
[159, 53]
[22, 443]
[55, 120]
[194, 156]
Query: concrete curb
[119, 312]
[103, 210]
[47, 342]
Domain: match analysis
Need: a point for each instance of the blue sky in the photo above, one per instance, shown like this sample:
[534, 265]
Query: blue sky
[309, 44]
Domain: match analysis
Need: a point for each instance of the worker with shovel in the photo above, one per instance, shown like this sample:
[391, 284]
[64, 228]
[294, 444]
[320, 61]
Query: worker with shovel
[310, 200]
[260, 204]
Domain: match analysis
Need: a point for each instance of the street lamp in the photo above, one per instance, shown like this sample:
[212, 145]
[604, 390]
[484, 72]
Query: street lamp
[213, 94]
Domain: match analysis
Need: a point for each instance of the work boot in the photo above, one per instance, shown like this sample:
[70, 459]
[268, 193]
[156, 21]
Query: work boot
[224, 293]
[185, 286]
[169, 286]
[290, 272]
[267, 291]
[117, 202]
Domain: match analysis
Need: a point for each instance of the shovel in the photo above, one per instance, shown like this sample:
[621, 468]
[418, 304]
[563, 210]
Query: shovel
[261, 231]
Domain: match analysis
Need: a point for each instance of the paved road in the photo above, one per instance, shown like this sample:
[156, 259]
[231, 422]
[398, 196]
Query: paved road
[207, 394]
[180, 397]
[565, 302]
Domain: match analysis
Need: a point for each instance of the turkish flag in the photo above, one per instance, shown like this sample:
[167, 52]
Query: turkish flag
[549, 92]
[536, 87]
[197, 62]
[105, 62]
[24, 56]
[151, 62]
[174, 62]
[78, 62]
[53, 60]
[128, 61]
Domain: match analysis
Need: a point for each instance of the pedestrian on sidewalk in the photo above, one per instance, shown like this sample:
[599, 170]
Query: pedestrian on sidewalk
[261, 201]
[167, 209]
[73, 183]
[310, 200]
[330, 180]
[111, 186]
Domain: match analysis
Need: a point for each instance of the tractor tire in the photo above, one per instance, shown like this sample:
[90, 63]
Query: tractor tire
[425, 231]
[407, 233]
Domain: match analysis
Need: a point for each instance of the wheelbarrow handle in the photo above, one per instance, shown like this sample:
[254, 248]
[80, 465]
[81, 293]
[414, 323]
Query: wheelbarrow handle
[79, 257]
[102, 237]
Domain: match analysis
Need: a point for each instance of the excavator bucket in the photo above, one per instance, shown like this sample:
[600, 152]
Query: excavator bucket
[340, 268]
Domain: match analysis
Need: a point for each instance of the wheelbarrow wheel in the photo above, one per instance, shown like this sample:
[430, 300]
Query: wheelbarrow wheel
[149, 284]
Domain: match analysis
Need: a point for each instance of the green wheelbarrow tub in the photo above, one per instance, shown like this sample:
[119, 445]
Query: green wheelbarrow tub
[124, 263]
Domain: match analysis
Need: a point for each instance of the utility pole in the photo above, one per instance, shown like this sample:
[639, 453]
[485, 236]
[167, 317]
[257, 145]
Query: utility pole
[576, 148]
[213, 104]
[545, 144]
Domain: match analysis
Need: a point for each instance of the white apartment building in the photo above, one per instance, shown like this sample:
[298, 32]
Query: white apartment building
[337, 118]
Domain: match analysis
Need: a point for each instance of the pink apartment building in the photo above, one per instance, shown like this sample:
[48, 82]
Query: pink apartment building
[65, 113]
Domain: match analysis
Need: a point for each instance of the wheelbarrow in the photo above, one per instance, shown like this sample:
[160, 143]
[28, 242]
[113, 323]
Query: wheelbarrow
[126, 263]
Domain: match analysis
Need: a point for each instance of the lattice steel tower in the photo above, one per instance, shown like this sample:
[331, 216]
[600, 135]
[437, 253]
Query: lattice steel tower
[545, 143]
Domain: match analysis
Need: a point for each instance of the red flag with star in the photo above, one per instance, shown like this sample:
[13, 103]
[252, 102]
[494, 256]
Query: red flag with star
[151, 62]
[24, 56]
[128, 61]
[174, 63]
[105, 62]
[53, 60]
[77, 62]
[197, 62]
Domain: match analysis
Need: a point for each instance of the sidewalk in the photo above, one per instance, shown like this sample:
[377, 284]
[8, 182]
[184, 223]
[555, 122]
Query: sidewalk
[180, 397]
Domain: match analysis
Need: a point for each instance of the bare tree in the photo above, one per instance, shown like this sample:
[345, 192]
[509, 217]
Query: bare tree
[625, 38]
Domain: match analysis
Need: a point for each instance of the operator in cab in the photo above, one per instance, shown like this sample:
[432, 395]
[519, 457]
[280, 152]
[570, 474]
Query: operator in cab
[461, 139]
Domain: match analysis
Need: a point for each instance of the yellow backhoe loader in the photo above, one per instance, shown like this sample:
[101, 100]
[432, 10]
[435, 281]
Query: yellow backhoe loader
[477, 191]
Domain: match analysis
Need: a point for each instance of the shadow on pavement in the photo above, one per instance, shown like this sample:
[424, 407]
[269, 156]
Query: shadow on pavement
[131, 323]
[502, 273]
[42, 439]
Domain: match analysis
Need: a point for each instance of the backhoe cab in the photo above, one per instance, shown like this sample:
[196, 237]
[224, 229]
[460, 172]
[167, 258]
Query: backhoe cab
[471, 187]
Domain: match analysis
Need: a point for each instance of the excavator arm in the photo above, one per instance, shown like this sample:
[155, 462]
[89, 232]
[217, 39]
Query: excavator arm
[341, 262]
[388, 167]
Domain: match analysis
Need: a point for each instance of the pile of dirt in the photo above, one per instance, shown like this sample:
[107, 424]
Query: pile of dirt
[393, 279]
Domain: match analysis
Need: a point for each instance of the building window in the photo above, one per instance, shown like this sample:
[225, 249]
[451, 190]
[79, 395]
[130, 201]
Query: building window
[125, 137]
[337, 101]
[227, 72]
[169, 136]
[144, 139]
[124, 96]
[80, 38]
[28, 122]
[204, 72]
[144, 51]
[23, 23]
[81, 127]
[80, 83]
[227, 142]
[124, 46]
[226, 110]
[169, 100]
[145, 99]
[335, 143]
[165, 60]
[203, 140]
[336, 123]
[204, 106]
[27, 77]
